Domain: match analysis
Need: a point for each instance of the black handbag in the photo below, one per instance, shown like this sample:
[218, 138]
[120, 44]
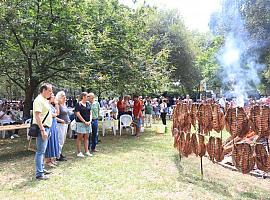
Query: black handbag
[34, 129]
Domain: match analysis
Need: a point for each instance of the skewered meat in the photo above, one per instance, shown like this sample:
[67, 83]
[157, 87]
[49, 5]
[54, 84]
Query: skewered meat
[187, 147]
[176, 137]
[193, 114]
[184, 116]
[204, 116]
[250, 138]
[243, 157]
[181, 117]
[202, 147]
[219, 150]
[218, 118]
[194, 144]
[181, 142]
[236, 122]
[259, 117]
[175, 116]
[211, 148]
[262, 158]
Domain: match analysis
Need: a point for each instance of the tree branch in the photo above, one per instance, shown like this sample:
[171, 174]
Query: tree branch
[14, 80]
[37, 60]
[35, 42]
[52, 17]
[57, 60]
[52, 75]
[17, 39]
[54, 58]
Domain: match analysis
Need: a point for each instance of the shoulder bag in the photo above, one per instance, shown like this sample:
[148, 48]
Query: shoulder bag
[34, 129]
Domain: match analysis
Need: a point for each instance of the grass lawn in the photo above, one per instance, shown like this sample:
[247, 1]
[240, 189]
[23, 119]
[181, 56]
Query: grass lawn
[125, 168]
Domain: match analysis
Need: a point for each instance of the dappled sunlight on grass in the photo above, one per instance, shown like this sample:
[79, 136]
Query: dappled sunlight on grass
[125, 168]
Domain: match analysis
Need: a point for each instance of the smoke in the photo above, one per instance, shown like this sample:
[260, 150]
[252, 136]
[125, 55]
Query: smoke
[237, 58]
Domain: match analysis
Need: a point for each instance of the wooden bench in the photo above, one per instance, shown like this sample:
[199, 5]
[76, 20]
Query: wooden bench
[13, 127]
[19, 126]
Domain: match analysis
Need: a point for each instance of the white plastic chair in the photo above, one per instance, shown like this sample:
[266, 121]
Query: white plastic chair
[107, 123]
[28, 121]
[126, 121]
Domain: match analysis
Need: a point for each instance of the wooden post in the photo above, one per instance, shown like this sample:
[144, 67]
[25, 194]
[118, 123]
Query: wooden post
[221, 136]
[201, 168]
[267, 142]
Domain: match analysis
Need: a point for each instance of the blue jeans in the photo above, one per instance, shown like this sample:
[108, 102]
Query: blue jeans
[41, 148]
[93, 140]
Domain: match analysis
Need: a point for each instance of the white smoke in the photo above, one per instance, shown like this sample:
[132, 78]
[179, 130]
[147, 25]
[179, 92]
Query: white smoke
[239, 63]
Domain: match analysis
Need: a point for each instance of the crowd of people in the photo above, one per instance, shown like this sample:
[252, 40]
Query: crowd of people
[52, 115]
[11, 114]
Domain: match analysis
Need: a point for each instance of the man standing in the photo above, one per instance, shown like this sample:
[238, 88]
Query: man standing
[222, 103]
[120, 107]
[148, 112]
[137, 114]
[95, 109]
[42, 110]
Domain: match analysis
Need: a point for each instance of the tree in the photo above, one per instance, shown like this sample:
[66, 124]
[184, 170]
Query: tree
[38, 40]
[122, 59]
[169, 32]
[207, 61]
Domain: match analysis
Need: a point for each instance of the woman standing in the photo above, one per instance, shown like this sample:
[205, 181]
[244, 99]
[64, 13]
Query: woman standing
[163, 111]
[83, 122]
[52, 150]
[62, 122]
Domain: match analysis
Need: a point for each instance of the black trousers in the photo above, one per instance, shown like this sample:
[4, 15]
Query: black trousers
[163, 117]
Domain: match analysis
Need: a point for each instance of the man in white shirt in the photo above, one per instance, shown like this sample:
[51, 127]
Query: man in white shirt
[222, 102]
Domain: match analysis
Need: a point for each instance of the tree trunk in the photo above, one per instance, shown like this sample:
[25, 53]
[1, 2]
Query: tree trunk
[83, 88]
[28, 100]
[99, 94]
[183, 90]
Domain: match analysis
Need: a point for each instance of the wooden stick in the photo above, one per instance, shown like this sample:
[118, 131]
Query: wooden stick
[267, 142]
[221, 135]
[201, 168]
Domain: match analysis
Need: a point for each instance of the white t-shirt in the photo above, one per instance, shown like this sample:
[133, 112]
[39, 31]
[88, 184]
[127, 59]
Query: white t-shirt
[6, 119]
[163, 107]
[112, 104]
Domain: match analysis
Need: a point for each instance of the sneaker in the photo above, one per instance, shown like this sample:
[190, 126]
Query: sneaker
[80, 155]
[46, 172]
[88, 154]
[12, 137]
[94, 150]
[42, 178]
[16, 136]
[61, 159]
[61, 156]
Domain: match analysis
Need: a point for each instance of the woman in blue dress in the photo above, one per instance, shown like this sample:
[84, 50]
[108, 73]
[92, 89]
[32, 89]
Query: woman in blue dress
[52, 150]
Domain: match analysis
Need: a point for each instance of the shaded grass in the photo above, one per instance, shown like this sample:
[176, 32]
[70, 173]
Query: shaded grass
[125, 168]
